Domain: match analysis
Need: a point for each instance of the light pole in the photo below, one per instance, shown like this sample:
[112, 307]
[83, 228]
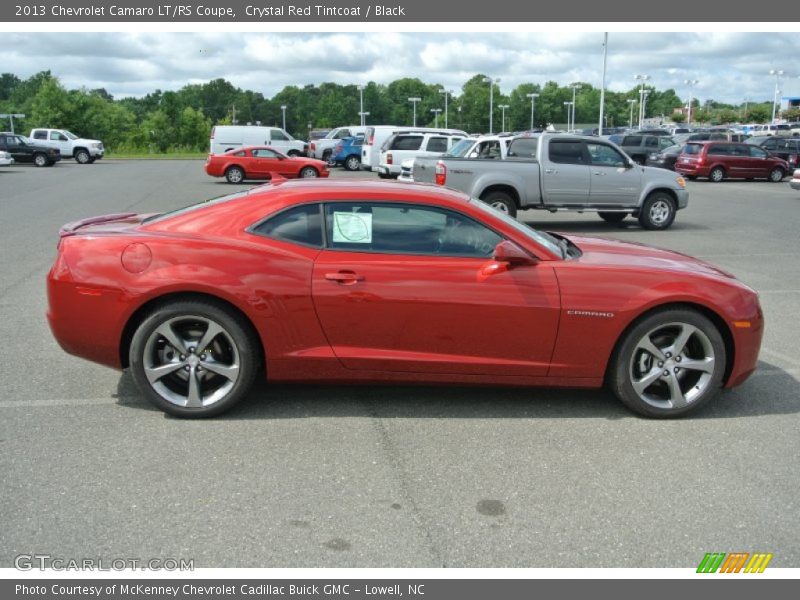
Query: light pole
[436, 112]
[569, 111]
[364, 115]
[631, 102]
[575, 87]
[641, 78]
[691, 83]
[414, 100]
[361, 104]
[283, 110]
[778, 74]
[643, 106]
[446, 94]
[503, 107]
[491, 81]
[460, 122]
[533, 96]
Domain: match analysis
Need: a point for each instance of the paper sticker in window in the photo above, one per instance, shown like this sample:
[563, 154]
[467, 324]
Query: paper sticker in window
[352, 228]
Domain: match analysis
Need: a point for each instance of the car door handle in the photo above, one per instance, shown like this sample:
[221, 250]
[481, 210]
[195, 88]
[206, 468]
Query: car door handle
[550, 171]
[344, 277]
[598, 173]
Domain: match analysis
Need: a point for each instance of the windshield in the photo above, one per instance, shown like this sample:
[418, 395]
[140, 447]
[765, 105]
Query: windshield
[461, 148]
[540, 237]
[191, 207]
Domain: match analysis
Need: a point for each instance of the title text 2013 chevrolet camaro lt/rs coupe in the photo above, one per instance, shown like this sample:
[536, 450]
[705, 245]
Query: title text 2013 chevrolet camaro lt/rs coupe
[319, 281]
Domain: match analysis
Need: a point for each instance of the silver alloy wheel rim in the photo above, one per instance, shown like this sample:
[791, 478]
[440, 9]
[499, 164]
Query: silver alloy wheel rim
[716, 175]
[191, 361]
[308, 172]
[672, 365]
[660, 211]
[40, 160]
[776, 175]
[83, 158]
[353, 163]
[235, 175]
[501, 206]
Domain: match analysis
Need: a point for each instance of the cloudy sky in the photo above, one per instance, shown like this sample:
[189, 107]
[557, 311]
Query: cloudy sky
[729, 66]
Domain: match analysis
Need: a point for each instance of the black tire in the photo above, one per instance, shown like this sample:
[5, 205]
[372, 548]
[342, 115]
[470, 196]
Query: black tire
[293, 153]
[41, 160]
[383, 175]
[352, 162]
[92, 159]
[627, 362]
[691, 177]
[716, 174]
[776, 175]
[612, 217]
[82, 157]
[308, 173]
[658, 211]
[236, 334]
[502, 202]
[326, 156]
[234, 174]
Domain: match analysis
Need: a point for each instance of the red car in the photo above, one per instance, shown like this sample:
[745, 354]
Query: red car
[260, 162]
[723, 160]
[388, 283]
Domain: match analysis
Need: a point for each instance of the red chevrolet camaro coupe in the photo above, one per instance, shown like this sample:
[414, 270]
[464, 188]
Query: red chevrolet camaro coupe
[372, 282]
[262, 162]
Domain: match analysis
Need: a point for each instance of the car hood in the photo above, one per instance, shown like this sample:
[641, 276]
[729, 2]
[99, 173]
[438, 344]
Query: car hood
[614, 253]
[86, 141]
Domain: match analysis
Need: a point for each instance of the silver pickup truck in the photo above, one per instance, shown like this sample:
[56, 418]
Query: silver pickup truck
[564, 172]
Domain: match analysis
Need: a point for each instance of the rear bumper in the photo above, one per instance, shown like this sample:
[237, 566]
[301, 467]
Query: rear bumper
[694, 170]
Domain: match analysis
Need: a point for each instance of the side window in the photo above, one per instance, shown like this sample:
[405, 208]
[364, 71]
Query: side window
[406, 229]
[342, 133]
[240, 153]
[716, 150]
[665, 142]
[605, 156]
[58, 136]
[40, 135]
[651, 142]
[632, 140]
[565, 152]
[277, 134]
[406, 142]
[489, 150]
[264, 153]
[437, 144]
[298, 225]
[757, 152]
[523, 148]
[770, 144]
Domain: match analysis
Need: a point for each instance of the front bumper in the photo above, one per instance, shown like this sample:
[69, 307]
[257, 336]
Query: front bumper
[683, 198]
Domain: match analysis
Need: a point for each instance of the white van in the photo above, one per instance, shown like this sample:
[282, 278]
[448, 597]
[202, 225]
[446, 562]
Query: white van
[230, 137]
[374, 138]
[415, 143]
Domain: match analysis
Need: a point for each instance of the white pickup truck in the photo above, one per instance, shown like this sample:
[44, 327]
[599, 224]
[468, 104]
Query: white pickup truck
[564, 172]
[83, 150]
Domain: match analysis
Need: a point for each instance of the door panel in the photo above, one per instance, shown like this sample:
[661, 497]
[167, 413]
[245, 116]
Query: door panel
[612, 181]
[432, 314]
[565, 176]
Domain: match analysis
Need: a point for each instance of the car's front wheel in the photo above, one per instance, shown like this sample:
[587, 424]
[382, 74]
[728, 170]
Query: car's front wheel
[193, 358]
[668, 364]
[234, 174]
[776, 175]
[308, 172]
[40, 160]
[658, 211]
[82, 157]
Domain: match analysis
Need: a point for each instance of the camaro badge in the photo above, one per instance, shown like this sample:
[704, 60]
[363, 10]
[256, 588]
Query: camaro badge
[590, 313]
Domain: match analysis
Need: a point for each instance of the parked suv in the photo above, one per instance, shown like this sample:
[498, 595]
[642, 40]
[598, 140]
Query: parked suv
[84, 151]
[347, 153]
[787, 148]
[22, 150]
[723, 160]
[415, 143]
[638, 146]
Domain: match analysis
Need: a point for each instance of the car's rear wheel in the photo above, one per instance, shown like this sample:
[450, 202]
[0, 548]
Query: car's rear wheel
[776, 175]
[716, 174]
[501, 201]
[670, 363]
[82, 157]
[658, 211]
[40, 160]
[353, 163]
[193, 358]
[234, 174]
[612, 217]
[308, 172]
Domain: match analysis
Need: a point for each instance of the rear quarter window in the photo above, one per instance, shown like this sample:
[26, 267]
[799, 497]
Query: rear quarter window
[406, 142]
[692, 148]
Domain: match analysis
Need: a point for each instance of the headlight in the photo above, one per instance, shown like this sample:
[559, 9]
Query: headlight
[96, 145]
[681, 181]
[654, 156]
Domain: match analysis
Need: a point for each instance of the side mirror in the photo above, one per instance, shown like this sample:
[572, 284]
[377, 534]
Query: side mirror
[508, 252]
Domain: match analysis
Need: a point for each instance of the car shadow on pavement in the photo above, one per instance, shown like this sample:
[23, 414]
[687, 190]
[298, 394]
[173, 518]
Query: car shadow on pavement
[771, 390]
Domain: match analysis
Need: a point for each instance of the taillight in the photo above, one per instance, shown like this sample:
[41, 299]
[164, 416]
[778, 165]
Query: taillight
[441, 173]
[313, 146]
[389, 159]
[371, 140]
[701, 159]
[793, 159]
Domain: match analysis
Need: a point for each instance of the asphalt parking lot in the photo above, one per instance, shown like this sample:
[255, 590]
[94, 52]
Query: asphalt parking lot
[302, 476]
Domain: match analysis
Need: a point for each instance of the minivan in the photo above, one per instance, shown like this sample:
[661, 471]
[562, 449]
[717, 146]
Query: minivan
[723, 160]
[230, 137]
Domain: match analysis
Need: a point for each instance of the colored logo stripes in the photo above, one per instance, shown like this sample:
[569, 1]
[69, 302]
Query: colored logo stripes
[734, 562]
